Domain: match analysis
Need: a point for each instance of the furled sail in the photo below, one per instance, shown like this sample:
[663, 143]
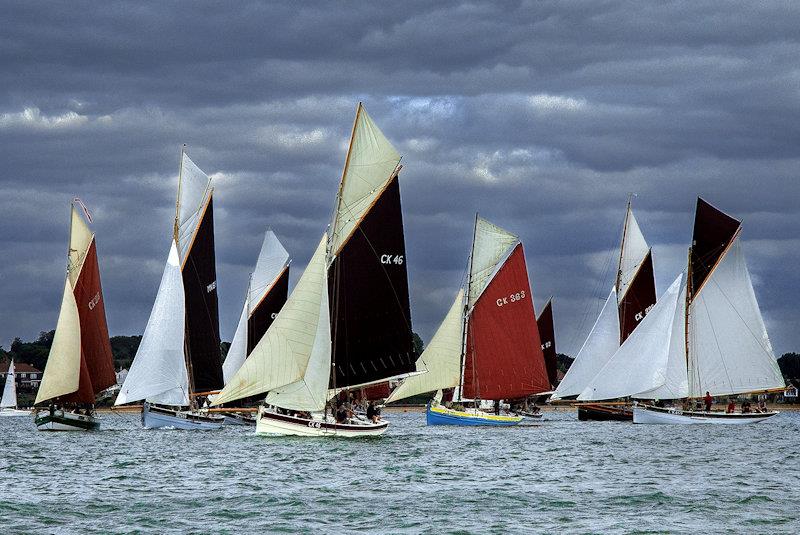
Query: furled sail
[158, 373]
[503, 355]
[636, 285]
[266, 294]
[9, 398]
[599, 347]
[644, 361]
[63, 369]
[547, 335]
[194, 230]
[441, 360]
[367, 277]
[299, 336]
[729, 349]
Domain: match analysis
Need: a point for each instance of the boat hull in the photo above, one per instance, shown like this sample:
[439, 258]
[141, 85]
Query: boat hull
[65, 421]
[438, 415]
[240, 419]
[598, 412]
[155, 417]
[657, 415]
[271, 423]
[14, 412]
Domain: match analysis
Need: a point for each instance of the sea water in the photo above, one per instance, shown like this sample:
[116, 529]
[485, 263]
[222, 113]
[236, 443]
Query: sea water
[557, 475]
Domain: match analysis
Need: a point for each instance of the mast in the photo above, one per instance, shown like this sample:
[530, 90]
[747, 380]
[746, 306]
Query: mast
[622, 248]
[177, 225]
[466, 309]
[686, 319]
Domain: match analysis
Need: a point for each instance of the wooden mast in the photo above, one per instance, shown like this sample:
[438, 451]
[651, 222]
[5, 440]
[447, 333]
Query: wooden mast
[466, 311]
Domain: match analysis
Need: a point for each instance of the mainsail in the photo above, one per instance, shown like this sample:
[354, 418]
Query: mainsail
[368, 281]
[80, 363]
[547, 335]
[503, 356]
[9, 398]
[266, 294]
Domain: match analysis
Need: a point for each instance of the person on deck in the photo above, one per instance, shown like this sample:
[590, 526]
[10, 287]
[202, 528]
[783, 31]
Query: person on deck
[373, 413]
[341, 415]
[709, 401]
[731, 407]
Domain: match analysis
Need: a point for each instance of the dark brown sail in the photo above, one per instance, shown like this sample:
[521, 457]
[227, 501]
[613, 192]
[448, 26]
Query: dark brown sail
[368, 285]
[713, 231]
[638, 299]
[547, 336]
[202, 316]
[264, 313]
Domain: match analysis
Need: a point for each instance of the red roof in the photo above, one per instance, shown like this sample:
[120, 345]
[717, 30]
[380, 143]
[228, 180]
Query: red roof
[19, 367]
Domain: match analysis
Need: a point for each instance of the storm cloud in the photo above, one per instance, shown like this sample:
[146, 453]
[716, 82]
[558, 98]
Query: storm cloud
[541, 116]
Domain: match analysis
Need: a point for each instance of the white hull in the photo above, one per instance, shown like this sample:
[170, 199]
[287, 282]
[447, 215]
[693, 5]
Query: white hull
[271, 423]
[59, 420]
[651, 415]
[14, 412]
[154, 417]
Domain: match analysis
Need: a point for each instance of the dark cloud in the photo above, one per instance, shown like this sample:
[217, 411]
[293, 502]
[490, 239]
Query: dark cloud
[540, 115]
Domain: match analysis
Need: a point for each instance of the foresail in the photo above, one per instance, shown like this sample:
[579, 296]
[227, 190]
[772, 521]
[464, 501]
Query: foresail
[237, 352]
[10, 388]
[158, 373]
[284, 352]
[491, 245]
[370, 164]
[642, 362]
[441, 360]
[63, 369]
[194, 188]
[599, 347]
[504, 358]
[729, 350]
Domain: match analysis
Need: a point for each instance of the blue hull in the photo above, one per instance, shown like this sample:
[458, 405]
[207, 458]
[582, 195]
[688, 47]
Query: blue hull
[438, 417]
[159, 418]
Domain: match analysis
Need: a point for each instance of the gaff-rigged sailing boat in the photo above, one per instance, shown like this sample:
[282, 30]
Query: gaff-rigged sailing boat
[631, 298]
[8, 403]
[178, 359]
[488, 346]
[266, 295]
[347, 324]
[547, 335]
[706, 334]
[80, 363]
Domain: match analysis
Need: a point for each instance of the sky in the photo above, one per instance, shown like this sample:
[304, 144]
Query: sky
[542, 116]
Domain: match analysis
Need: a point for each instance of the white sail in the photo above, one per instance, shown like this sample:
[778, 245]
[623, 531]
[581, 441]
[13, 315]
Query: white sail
[492, 245]
[310, 392]
[441, 360]
[642, 363]
[194, 190]
[634, 251]
[372, 161]
[272, 260]
[599, 347]
[10, 389]
[729, 350]
[80, 237]
[63, 369]
[158, 373]
[282, 355]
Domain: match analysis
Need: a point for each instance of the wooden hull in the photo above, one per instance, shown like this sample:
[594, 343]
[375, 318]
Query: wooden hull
[599, 412]
[240, 419]
[645, 414]
[274, 424]
[65, 421]
[155, 417]
[438, 415]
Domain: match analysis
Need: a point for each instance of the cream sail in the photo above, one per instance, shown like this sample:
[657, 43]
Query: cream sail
[63, 369]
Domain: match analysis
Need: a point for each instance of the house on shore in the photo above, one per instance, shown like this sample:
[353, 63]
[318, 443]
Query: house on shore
[28, 377]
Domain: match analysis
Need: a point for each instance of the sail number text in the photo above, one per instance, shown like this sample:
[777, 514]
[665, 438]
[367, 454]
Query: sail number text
[517, 296]
[640, 316]
[392, 259]
[94, 300]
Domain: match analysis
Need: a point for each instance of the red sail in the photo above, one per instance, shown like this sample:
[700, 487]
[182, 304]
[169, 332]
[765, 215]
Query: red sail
[547, 336]
[638, 299]
[504, 358]
[713, 231]
[262, 315]
[97, 362]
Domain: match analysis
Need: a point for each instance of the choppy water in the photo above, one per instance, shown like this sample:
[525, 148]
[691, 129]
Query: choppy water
[561, 475]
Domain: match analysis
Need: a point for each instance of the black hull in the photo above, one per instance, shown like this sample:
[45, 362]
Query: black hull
[605, 413]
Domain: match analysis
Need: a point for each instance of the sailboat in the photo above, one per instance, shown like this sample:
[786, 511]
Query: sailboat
[547, 336]
[80, 364]
[628, 302]
[488, 346]
[347, 323]
[705, 335]
[266, 294]
[178, 360]
[8, 403]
